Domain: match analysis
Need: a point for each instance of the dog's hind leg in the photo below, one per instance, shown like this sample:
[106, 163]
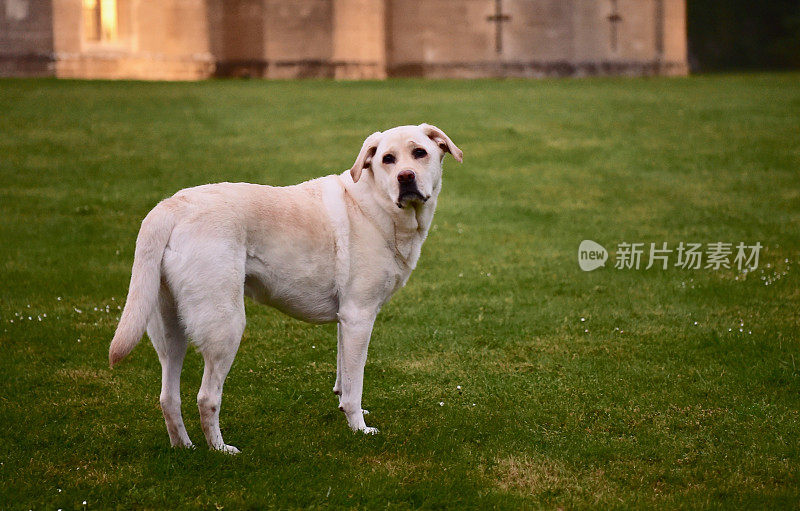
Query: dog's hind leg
[218, 354]
[208, 284]
[169, 340]
[217, 322]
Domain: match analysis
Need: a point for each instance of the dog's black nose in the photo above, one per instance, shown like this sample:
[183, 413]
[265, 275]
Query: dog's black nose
[406, 176]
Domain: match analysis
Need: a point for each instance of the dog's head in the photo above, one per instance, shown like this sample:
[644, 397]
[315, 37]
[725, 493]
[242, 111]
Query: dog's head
[406, 162]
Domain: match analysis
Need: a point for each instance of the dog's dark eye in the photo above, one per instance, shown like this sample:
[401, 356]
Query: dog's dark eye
[388, 159]
[419, 152]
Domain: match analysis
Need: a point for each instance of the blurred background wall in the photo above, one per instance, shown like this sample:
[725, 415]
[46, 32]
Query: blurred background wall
[373, 39]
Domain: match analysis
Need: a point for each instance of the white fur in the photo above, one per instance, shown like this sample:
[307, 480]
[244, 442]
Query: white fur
[332, 249]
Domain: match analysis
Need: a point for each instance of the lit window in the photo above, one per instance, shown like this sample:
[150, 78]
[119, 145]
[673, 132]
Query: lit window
[100, 20]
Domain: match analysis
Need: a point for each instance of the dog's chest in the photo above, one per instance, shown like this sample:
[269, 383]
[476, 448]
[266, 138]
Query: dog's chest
[405, 254]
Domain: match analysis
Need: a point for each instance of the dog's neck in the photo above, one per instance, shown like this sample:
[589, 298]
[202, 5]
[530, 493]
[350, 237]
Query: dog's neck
[407, 227]
[411, 228]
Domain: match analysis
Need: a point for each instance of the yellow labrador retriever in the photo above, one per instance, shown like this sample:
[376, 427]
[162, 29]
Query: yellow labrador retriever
[331, 249]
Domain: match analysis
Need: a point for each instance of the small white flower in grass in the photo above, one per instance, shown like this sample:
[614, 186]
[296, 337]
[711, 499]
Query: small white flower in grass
[79, 340]
[750, 332]
[729, 330]
[59, 298]
[77, 310]
[441, 403]
[473, 404]
[458, 387]
[741, 330]
[583, 319]
[586, 331]
[313, 347]
[695, 322]
[29, 318]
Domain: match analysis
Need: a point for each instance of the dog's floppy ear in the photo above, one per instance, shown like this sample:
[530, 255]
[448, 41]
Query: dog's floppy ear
[443, 141]
[364, 159]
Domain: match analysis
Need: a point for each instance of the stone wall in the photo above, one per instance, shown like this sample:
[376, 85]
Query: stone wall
[674, 61]
[26, 38]
[534, 38]
[347, 39]
[299, 38]
[163, 40]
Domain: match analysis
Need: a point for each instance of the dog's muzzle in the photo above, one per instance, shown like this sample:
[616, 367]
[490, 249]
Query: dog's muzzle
[410, 193]
[408, 189]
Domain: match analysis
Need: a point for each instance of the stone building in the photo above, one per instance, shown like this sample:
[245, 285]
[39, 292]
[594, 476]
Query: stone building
[349, 39]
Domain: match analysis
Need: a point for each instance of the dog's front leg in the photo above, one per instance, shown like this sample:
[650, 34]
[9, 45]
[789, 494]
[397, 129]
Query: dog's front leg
[355, 328]
[337, 387]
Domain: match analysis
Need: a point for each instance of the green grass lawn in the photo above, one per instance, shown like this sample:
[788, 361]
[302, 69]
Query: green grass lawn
[611, 389]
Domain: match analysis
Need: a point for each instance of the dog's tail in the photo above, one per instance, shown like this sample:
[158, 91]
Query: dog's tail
[145, 281]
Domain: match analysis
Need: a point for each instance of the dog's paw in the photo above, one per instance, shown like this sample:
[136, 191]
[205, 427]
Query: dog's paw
[337, 391]
[229, 449]
[370, 431]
